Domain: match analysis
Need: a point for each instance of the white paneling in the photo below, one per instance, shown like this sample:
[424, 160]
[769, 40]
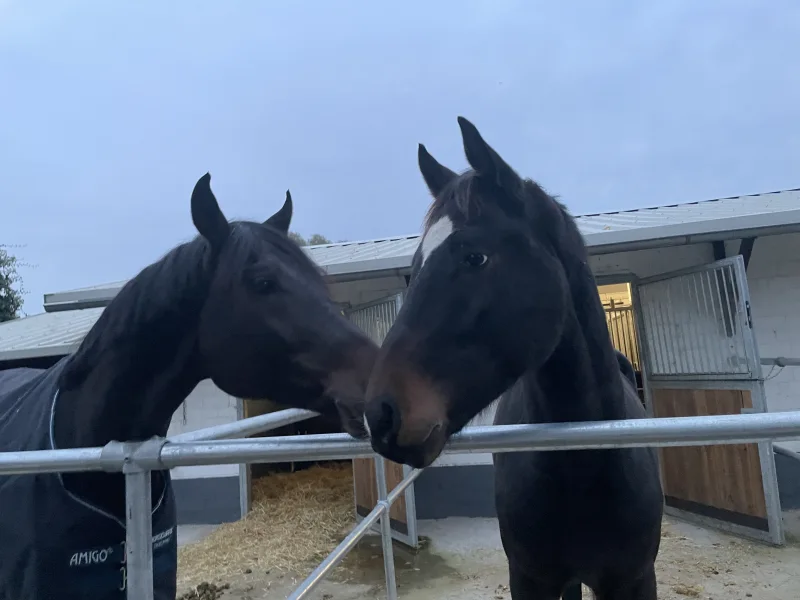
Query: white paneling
[206, 406]
[773, 276]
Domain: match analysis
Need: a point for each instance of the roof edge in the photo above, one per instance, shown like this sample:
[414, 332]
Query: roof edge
[622, 240]
[38, 352]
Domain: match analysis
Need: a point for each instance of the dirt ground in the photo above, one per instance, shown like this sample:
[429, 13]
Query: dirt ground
[463, 560]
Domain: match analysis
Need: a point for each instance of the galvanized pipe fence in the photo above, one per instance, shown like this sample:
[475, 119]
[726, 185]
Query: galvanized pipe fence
[204, 447]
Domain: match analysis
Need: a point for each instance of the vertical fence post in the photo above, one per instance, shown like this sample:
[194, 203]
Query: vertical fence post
[138, 533]
[386, 529]
[573, 592]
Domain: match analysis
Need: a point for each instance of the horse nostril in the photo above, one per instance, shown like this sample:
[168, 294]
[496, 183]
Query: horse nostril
[389, 421]
[383, 417]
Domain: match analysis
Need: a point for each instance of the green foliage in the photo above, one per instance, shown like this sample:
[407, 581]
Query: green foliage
[11, 292]
[316, 239]
[298, 239]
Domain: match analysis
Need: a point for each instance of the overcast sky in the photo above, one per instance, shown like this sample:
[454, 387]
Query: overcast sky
[110, 111]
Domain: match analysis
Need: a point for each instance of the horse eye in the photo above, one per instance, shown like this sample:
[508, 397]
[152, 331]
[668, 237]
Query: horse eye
[262, 285]
[475, 260]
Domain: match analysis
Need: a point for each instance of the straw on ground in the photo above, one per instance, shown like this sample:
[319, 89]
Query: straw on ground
[296, 519]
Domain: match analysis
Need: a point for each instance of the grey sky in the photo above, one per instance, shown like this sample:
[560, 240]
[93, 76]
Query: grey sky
[111, 111]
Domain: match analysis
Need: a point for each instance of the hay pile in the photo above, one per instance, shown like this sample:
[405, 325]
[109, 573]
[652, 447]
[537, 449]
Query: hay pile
[296, 518]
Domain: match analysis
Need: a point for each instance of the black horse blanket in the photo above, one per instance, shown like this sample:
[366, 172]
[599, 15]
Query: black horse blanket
[53, 544]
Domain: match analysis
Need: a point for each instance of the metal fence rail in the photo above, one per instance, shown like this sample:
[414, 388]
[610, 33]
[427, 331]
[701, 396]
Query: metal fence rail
[246, 427]
[381, 511]
[136, 460]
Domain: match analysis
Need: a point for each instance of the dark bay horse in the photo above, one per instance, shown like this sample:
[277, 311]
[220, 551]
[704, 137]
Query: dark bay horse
[242, 305]
[503, 303]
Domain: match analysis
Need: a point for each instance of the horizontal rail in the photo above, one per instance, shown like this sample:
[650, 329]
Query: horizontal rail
[165, 454]
[348, 543]
[781, 361]
[84, 459]
[660, 432]
[69, 460]
[246, 427]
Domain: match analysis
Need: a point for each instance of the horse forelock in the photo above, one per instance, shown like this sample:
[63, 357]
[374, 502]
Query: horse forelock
[457, 201]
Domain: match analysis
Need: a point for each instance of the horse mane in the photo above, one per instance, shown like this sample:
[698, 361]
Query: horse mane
[158, 303]
[458, 199]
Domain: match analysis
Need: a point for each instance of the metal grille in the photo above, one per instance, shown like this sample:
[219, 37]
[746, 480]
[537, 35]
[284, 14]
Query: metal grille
[376, 318]
[697, 323]
[622, 329]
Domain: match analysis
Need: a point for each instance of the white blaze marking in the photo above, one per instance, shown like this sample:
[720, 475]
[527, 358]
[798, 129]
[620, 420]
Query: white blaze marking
[435, 237]
[366, 426]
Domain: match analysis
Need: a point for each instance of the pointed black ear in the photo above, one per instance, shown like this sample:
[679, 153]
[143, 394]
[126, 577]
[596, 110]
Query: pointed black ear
[283, 218]
[436, 176]
[206, 214]
[483, 158]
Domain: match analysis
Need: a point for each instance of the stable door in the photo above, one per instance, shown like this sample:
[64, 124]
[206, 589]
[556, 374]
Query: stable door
[701, 358]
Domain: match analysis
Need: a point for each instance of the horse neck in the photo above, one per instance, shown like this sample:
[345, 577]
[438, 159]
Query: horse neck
[581, 379]
[129, 395]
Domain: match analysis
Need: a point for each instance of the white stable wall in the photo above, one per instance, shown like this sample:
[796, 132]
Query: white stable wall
[773, 276]
[354, 293]
[206, 406]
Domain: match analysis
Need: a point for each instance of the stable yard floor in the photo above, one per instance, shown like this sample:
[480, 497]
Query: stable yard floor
[464, 561]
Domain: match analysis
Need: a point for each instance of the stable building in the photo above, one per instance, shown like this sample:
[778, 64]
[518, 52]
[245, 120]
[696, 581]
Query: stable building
[699, 296]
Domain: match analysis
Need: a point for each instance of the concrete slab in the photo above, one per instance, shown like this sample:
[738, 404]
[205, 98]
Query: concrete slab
[461, 535]
[464, 561]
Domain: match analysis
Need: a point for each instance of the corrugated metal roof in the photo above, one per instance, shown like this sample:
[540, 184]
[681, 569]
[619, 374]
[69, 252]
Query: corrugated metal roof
[101, 286]
[338, 258]
[611, 231]
[353, 252]
[696, 222]
[47, 334]
[600, 230]
[693, 212]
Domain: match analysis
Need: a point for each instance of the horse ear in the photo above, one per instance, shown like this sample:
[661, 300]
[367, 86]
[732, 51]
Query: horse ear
[436, 176]
[283, 218]
[206, 214]
[483, 158]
